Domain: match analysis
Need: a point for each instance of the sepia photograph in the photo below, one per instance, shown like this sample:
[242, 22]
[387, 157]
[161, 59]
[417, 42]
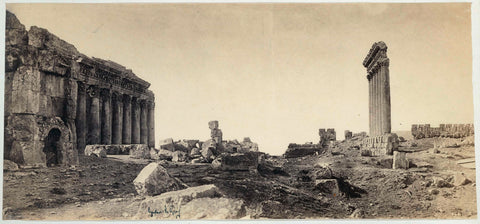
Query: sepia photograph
[238, 111]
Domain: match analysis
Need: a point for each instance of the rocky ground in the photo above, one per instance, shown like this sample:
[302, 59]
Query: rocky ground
[102, 188]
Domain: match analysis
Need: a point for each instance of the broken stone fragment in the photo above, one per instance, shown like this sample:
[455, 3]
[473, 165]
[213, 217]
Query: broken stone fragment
[213, 125]
[9, 165]
[154, 180]
[195, 152]
[460, 179]
[167, 144]
[399, 160]
[237, 161]
[179, 156]
[139, 151]
[96, 150]
[328, 186]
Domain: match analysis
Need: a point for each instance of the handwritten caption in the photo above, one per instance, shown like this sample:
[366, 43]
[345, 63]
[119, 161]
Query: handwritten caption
[165, 212]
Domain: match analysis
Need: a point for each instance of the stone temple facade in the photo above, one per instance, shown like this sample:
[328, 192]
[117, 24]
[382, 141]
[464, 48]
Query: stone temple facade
[58, 100]
[381, 140]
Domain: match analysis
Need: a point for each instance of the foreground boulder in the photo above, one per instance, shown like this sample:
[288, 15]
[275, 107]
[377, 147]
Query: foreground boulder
[9, 165]
[179, 156]
[175, 199]
[213, 208]
[328, 186]
[140, 151]
[154, 179]
[399, 160]
[96, 150]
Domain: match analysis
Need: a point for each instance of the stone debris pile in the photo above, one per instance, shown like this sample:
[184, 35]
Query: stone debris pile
[196, 151]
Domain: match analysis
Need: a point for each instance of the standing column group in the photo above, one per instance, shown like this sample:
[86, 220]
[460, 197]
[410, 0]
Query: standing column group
[105, 117]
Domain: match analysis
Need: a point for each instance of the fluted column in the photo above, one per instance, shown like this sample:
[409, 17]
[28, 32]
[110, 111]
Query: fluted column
[375, 105]
[151, 124]
[370, 103]
[117, 119]
[81, 119]
[386, 109]
[93, 136]
[135, 121]
[143, 123]
[127, 117]
[106, 118]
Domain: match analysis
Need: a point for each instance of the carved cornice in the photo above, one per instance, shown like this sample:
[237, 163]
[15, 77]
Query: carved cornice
[376, 47]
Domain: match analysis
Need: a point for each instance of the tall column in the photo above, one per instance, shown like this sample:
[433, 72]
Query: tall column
[93, 136]
[386, 109]
[106, 117]
[81, 119]
[370, 104]
[117, 119]
[135, 121]
[375, 105]
[151, 124]
[127, 118]
[143, 123]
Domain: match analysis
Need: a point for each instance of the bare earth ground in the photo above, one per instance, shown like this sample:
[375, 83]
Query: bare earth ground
[100, 189]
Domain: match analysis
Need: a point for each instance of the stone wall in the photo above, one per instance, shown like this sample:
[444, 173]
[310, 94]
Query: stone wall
[327, 136]
[50, 85]
[444, 130]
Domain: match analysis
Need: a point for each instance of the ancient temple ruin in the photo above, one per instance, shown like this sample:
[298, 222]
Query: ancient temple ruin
[381, 141]
[58, 100]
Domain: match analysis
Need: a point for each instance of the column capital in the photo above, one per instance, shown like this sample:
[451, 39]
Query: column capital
[143, 103]
[105, 93]
[93, 91]
[126, 98]
[81, 86]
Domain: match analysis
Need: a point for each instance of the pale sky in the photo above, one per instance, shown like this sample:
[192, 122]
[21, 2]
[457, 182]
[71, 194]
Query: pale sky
[276, 72]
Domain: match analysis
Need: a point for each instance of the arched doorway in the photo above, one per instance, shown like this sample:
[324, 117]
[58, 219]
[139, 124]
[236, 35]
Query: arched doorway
[52, 147]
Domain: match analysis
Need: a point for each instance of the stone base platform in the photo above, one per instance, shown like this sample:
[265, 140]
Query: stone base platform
[380, 145]
[139, 151]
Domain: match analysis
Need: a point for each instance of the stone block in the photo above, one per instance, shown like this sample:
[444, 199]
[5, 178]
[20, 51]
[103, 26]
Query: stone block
[96, 150]
[9, 165]
[213, 125]
[179, 156]
[154, 180]
[167, 144]
[399, 160]
[178, 198]
[237, 161]
[214, 208]
[139, 151]
[328, 186]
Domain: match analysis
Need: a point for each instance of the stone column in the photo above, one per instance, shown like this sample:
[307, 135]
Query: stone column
[143, 123]
[135, 121]
[117, 120]
[81, 119]
[370, 104]
[151, 124]
[93, 136]
[127, 118]
[386, 109]
[375, 105]
[106, 117]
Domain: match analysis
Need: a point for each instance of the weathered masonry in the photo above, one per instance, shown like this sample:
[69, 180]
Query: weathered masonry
[381, 141]
[58, 100]
[444, 130]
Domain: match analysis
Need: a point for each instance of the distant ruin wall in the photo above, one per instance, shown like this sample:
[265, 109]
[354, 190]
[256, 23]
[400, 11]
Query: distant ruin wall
[326, 136]
[420, 131]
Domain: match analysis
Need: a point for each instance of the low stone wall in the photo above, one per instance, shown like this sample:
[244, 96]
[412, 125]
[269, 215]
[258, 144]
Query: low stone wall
[380, 145]
[444, 130]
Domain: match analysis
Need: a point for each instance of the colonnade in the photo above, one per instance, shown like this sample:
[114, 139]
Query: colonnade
[108, 117]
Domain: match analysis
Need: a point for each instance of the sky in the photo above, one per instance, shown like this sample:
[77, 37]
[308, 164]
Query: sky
[276, 72]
